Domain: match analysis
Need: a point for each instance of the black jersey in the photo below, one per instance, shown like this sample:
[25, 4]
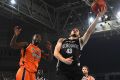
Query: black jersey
[70, 48]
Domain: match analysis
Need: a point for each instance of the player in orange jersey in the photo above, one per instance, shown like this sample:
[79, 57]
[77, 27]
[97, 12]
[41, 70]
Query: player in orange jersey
[30, 56]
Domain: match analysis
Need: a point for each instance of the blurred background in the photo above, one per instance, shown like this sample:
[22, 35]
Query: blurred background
[54, 19]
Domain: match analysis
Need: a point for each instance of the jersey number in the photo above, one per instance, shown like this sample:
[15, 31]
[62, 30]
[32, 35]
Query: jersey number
[69, 51]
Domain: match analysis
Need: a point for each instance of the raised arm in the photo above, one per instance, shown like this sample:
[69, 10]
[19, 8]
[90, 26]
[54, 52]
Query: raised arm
[13, 43]
[91, 28]
[58, 55]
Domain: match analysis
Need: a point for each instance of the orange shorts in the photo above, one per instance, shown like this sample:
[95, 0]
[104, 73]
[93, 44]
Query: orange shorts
[23, 74]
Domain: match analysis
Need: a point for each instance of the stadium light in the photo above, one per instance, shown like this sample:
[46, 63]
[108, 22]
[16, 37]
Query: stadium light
[118, 15]
[91, 19]
[13, 2]
[106, 16]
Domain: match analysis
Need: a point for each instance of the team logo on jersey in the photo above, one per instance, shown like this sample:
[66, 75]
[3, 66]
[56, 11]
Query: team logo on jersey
[35, 54]
[68, 45]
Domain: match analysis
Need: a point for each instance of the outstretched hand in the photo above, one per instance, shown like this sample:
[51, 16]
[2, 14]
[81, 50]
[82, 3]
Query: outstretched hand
[17, 30]
[101, 13]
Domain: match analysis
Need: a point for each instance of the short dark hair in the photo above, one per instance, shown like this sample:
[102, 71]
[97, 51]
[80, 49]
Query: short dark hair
[75, 27]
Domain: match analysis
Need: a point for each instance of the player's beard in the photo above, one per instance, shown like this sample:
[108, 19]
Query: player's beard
[74, 35]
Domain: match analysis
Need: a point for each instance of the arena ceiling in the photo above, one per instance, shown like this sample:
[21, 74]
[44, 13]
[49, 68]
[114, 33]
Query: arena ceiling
[59, 3]
[57, 14]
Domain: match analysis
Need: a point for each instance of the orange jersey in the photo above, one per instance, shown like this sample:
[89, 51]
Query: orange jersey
[31, 58]
[88, 78]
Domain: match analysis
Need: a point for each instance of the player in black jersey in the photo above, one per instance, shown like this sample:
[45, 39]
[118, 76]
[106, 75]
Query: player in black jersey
[67, 51]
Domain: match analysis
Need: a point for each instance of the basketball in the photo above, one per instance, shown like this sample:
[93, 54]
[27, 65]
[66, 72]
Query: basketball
[98, 5]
